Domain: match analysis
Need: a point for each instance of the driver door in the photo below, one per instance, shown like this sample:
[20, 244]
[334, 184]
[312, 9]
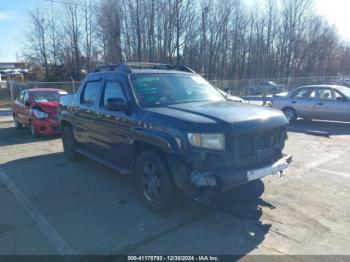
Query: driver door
[114, 126]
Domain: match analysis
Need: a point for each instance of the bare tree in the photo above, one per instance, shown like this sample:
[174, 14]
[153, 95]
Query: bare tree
[223, 39]
[109, 24]
[72, 26]
[37, 39]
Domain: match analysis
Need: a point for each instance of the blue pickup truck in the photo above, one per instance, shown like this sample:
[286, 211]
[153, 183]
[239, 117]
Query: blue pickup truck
[171, 130]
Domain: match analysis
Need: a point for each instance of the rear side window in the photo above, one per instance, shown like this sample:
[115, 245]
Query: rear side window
[20, 97]
[25, 97]
[306, 93]
[91, 92]
[112, 90]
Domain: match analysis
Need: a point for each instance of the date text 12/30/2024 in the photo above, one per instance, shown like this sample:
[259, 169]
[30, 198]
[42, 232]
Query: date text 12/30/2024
[173, 258]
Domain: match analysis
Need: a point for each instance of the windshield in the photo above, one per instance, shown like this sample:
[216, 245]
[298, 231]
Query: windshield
[165, 89]
[45, 96]
[344, 90]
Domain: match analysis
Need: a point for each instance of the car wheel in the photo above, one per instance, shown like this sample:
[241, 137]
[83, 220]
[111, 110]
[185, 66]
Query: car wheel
[69, 144]
[154, 183]
[290, 113]
[18, 125]
[32, 130]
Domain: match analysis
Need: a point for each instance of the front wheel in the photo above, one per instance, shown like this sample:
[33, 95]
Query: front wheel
[290, 113]
[154, 183]
[69, 144]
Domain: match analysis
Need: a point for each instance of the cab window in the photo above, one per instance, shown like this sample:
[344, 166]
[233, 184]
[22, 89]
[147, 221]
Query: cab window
[25, 97]
[112, 90]
[91, 92]
[20, 97]
[306, 93]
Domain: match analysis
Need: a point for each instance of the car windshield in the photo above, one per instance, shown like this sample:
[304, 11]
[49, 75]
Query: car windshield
[45, 96]
[344, 90]
[165, 89]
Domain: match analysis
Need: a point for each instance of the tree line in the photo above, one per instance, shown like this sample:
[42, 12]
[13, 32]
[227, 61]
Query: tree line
[222, 39]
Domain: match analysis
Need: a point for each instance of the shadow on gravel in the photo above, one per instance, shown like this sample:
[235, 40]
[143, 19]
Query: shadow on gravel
[98, 212]
[319, 127]
[13, 136]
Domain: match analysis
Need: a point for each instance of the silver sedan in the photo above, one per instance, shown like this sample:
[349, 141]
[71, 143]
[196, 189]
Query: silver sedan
[327, 102]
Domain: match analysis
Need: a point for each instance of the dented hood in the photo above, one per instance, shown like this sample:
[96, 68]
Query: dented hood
[48, 107]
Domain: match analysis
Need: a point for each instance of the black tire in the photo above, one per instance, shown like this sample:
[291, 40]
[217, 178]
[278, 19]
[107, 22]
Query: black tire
[290, 113]
[69, 144]
[154, 183]
[32, 130]
[18, 125]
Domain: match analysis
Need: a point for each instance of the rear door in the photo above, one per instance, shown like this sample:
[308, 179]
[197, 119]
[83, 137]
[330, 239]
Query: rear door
[25, 107]
[17, 107]
[86, 128]
[304, 102]
[332, 105]
[22, 111]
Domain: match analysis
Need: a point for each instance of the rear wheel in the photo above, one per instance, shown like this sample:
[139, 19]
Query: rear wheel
[290, 113]
[154, 183]
[18, 125]
[69, 143]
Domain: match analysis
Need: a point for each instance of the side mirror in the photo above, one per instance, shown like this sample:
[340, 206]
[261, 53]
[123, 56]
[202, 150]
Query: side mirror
[342, 99]
[26, 103]
[116, 104]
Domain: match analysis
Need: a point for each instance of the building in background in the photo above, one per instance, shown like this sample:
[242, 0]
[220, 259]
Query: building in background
[12, 65]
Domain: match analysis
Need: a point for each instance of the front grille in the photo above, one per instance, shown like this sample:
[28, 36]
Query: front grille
[256, 149]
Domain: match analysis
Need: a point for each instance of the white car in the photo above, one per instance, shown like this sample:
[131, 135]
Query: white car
[327, 102]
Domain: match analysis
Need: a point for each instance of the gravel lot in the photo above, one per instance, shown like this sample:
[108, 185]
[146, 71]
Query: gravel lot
[52, 206]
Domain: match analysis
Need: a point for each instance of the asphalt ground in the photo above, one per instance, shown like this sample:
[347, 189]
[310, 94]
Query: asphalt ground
[49, 205]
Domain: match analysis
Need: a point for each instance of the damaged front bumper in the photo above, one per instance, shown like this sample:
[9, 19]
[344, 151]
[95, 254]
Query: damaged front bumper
[222, 179]
[227, 178]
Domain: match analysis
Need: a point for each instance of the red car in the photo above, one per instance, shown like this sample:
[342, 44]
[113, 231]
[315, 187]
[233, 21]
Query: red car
[37, 109]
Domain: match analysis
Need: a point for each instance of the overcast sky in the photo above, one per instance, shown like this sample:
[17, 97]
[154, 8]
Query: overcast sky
[13, 19]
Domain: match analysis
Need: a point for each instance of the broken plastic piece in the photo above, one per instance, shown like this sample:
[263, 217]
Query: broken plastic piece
[282, 173]
[203, 179]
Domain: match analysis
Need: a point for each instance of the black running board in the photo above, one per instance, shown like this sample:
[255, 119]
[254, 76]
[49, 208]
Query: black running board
[119, 169]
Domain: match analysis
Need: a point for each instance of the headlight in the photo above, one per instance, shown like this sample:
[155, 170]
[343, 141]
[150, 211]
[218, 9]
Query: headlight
[210, 141]
[39, 114]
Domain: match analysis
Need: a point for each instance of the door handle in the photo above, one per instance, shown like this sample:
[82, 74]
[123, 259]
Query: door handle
[320, 104]
[294, 102]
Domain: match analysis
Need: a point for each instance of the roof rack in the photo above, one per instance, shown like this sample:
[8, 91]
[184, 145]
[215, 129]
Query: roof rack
[114, 67]
[127, 67]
